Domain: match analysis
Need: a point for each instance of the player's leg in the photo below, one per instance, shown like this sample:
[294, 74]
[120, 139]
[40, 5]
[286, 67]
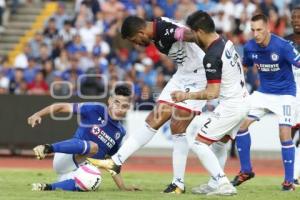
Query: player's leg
[68, 185]
[243, 139]
[296, 139]
[157, 117]
[71, 146]
[243, 144]
[288, 156]
[181, 118]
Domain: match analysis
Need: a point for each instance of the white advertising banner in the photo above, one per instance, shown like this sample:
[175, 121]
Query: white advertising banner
[264, 133]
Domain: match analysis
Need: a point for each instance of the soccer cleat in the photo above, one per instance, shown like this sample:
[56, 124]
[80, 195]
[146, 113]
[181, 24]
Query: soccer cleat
[242, 177]
[40, 187]
[173, 189]
[107, 164]
[225, 189]
[202, 189]
[41, 151]
[287, 186]
[296, 183]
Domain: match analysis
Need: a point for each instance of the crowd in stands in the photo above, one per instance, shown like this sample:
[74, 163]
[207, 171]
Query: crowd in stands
[88, 42]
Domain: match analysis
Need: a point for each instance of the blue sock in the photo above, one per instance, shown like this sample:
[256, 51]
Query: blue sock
[65, 185]
[288, 158]
[243, 144]
[72, 146]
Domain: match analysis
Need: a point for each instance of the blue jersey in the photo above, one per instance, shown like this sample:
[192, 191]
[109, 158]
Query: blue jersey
[274, 63]
[96, 125]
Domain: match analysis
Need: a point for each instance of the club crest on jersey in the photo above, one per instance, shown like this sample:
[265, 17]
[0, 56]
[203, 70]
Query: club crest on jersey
[95, 130]
[274, 57]
[208, 65]
[117, 135]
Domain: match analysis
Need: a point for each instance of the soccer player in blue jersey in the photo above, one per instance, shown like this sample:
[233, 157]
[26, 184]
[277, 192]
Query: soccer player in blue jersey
[99, 134]
[274, 57]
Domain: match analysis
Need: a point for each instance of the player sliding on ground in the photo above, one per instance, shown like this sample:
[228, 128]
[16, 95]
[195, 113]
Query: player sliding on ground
[169, 37]
[99, 134]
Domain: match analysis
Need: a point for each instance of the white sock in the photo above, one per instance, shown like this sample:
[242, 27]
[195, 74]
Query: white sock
[297, 163]
[210, 162]
[133, 143]
[219, 149]
[180, 153]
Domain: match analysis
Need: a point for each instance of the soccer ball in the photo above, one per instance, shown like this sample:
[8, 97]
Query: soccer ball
[88, 177]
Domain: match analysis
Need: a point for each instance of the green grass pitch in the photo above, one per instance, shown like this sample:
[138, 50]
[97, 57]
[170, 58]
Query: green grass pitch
[16, 185]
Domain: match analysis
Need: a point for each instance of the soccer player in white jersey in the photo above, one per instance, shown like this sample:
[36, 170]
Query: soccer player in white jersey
[274, 58]
[225, 80]
[295, 38]
[169, 37]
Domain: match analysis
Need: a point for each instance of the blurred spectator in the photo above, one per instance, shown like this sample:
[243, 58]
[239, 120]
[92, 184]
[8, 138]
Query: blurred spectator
[16, 83]
[60, 16]
[61, 63]
[2, 9]
[37, 42]
[38, 86]
[67, 32]
[72, 74]
[48, 72]
[58, 46]
[93, 5]
[31, 71]
[44, 53]
[206, 5]
[224, 16]
[148, 76]
[169, 7]
[101, 47]
[111, 8]
[277, 24]
[50, 32]
[21, 60]
[84, 15]
[76, 45]
[267, 5]
[145, 101]
[159, 85]
[4, 83]
[88, 35]
[185, 7]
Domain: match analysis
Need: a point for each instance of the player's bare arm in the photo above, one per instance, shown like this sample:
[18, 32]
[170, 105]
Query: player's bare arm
[36, 118]
[211, 92]
[121, 185]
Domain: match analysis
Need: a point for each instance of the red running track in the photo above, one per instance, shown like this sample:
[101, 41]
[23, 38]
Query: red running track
[153, 164]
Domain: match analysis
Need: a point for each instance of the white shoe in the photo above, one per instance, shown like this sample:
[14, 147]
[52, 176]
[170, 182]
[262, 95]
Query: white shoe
[38, 186]
[225, 189]
[39, 152]
[202, 189]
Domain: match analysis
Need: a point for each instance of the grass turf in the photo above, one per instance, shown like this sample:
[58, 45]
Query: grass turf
[16, 185]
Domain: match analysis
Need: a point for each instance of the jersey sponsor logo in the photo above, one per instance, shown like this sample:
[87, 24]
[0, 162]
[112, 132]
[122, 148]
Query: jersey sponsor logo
[274, 57]
[167, 32]
[267, 67]
[103, 136]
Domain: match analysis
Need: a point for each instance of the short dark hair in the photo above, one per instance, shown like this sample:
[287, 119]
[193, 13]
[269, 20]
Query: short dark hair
[131, 25]
[123, 90]
[259, 16]
[201, 20]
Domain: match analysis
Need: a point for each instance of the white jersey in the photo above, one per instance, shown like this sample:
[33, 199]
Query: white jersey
[186, 55]
[223, 65]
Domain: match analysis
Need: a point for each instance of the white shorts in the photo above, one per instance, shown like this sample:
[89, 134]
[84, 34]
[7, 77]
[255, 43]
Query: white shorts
[297, 112]
[64, 165]
[183, 85]
[225, 120]
[281, 105]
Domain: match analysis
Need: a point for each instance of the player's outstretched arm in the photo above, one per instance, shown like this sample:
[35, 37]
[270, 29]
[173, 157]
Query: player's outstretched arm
[121, 185]
[36, 118]
[212, 91]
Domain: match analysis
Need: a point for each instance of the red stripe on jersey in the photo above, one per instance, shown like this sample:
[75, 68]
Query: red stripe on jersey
[214, 81]
[179, 107]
